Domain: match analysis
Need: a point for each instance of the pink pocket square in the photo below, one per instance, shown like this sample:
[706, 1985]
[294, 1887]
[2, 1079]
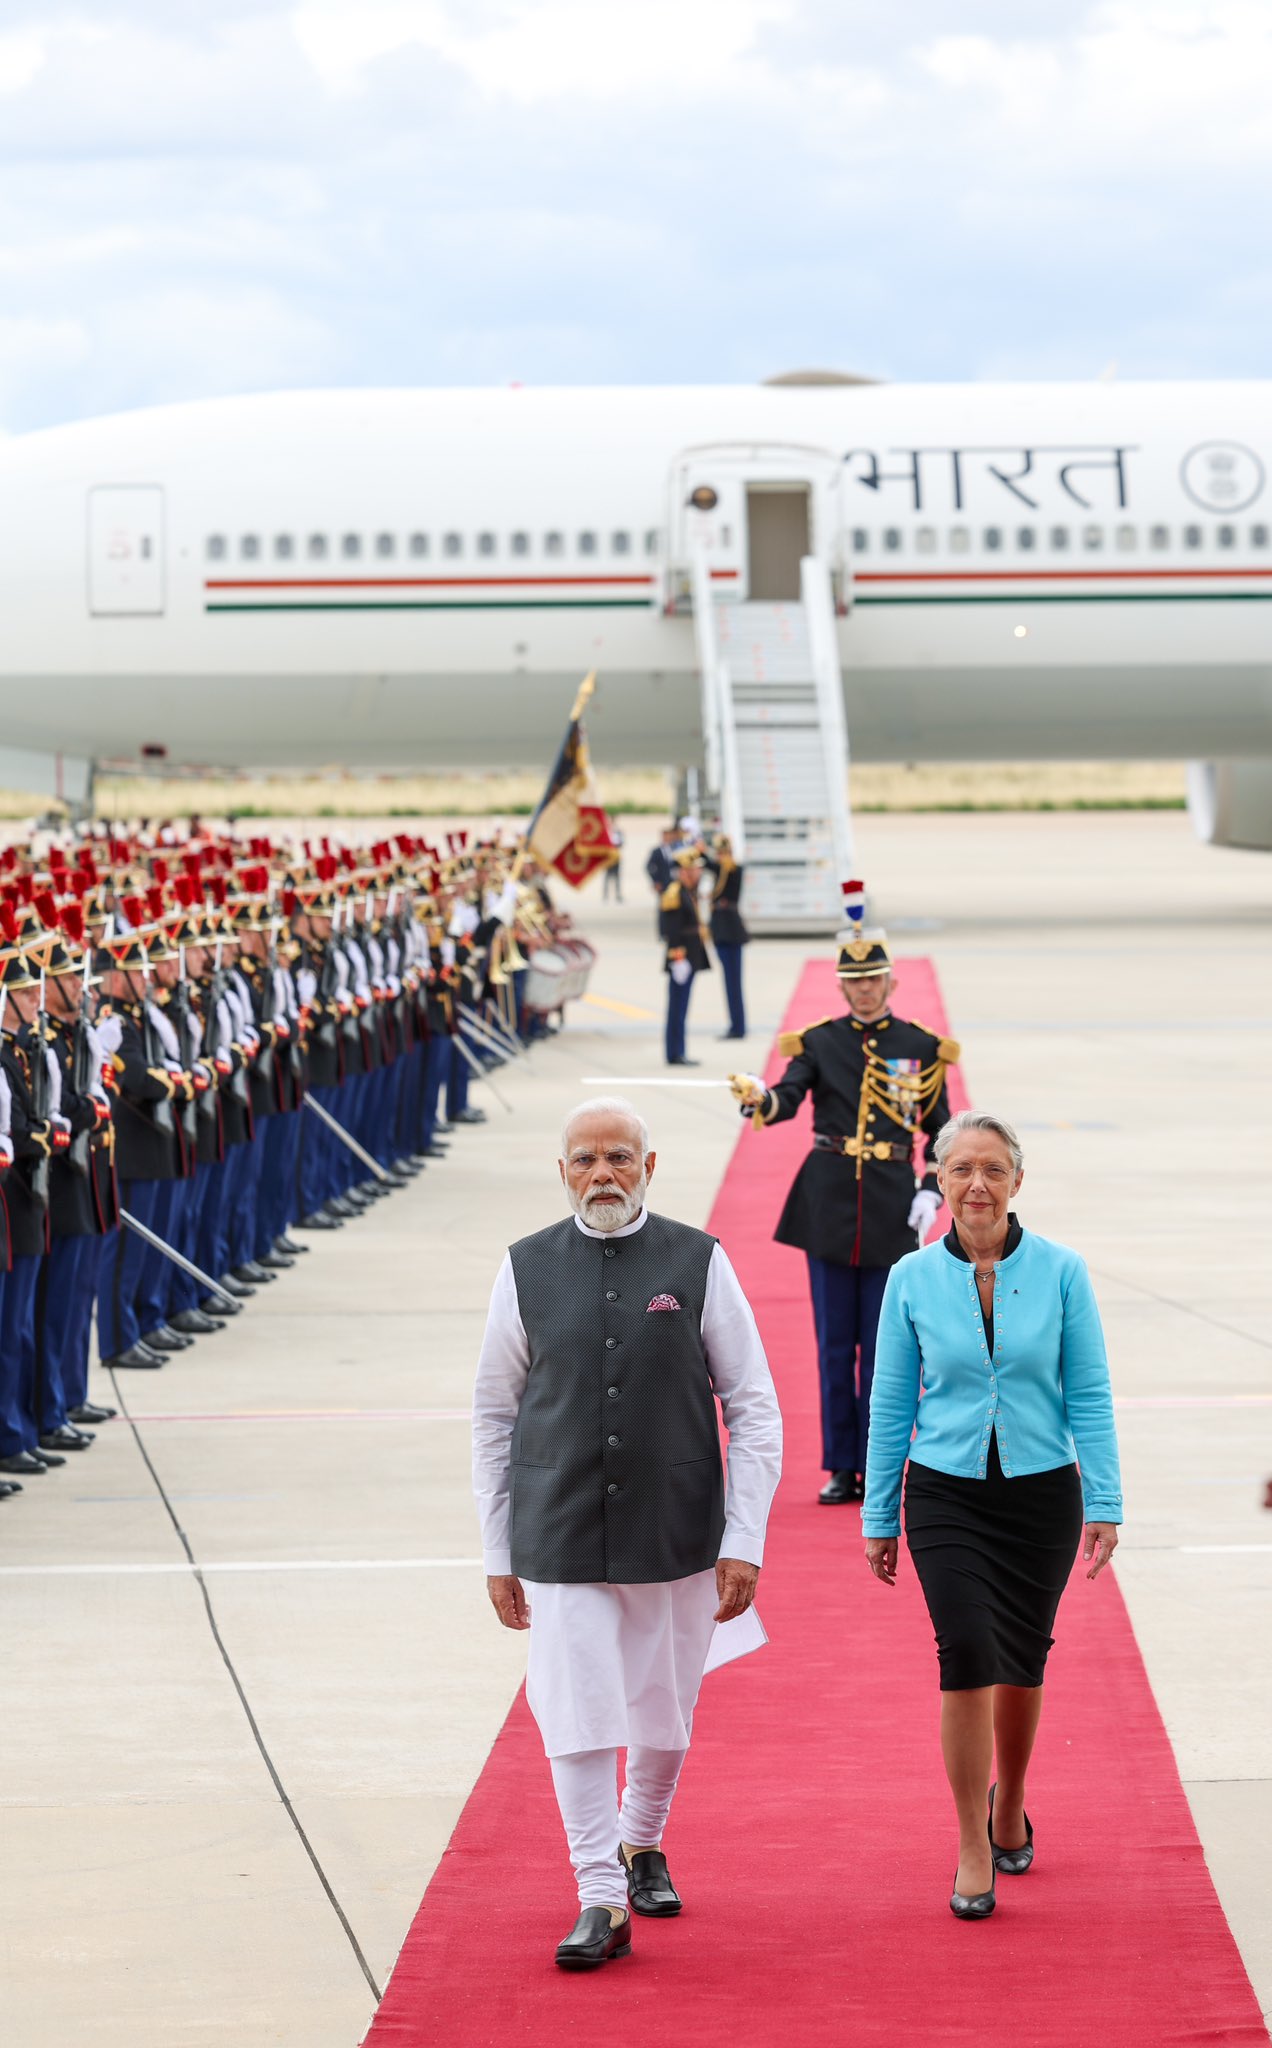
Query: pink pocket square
[661, 1301]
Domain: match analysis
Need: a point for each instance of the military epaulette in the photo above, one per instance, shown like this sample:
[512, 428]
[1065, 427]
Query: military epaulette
[948, 1050]
[671, 896]
[791, 1043]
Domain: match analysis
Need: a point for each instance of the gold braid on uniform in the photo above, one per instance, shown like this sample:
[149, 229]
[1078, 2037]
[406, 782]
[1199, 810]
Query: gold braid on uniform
[905, 1099]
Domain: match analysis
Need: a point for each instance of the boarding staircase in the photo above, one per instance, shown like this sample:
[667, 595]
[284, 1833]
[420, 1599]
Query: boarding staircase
[777, 747]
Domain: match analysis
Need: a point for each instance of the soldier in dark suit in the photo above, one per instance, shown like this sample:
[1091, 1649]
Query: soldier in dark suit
[728, 933]
[27, 1200]
[878, 1084]
[682, 932]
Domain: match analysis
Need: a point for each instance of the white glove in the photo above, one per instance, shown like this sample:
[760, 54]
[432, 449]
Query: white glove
[306, 984]
[108, 1031]
[923, 1212]
[681, 972]
[749, 1089]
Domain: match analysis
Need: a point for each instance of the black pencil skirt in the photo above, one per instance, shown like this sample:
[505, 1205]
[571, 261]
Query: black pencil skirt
[993, 1556]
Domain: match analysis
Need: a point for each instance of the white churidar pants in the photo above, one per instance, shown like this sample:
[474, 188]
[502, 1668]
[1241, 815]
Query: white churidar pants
[587, 1793]
[614, 1667]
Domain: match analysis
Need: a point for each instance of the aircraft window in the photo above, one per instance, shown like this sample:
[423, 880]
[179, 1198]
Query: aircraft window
[1127, 537]
[587, 543]
[553, 544]
[1192, 536]
[284, 547]
[385, 545]
[351, 546]
[1093, 537]
[317, 547]
[216, 547]
[1258, 536]
[485, 543]
[1059, 538]
[1226, 536]
[1025, 537]
[892, 538]
[417, 545]
[960, 540]
[249, 547]
[652, 538]
[993, 537]
[925, 540]
[620, 543]
[520, 543]
[452, 543]
[860, 541]
[1159, 536]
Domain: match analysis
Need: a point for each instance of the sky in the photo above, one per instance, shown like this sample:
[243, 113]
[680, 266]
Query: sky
[209, 196]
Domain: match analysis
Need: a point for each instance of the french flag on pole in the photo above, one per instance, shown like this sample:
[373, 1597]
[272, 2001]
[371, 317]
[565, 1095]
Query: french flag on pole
[854, 894]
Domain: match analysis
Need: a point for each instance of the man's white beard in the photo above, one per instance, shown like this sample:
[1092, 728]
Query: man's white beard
[613, 1213]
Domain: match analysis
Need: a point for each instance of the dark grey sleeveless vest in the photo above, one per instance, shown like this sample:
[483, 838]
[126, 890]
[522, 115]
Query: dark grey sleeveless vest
[616, 1472]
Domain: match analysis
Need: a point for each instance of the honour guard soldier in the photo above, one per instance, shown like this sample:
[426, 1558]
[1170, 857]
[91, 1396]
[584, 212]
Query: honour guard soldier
[728, 933]
[877, 1083]
[686, 941]
[34, 1135]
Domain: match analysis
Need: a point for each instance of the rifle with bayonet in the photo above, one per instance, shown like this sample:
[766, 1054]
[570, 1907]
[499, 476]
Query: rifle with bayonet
[83, 1076]
[156, 1059]
[41, 1100]
[180, 1012]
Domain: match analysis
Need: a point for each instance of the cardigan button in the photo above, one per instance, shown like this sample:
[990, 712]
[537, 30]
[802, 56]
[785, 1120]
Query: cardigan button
[610, 1252]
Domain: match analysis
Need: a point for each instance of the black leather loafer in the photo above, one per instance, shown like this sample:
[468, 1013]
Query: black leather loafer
[1010, 1862]
[320, 1220]
[27, 1463]
[972, 1905]
[194, 1322]
[137, 1358]
[164, 1339]
[222, 1305]
[238, 1290]
[67, 1438]
[275, 1262]
[840, 1487]
[593, 1940]
[253, 1272]
[649, 1888]
[91, 1411]
[289, 1246]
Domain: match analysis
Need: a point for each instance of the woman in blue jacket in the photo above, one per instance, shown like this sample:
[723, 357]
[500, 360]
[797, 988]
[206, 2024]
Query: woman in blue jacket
[999, 1332]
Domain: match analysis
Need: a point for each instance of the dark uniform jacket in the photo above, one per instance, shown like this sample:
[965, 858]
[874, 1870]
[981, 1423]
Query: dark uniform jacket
[75, 1182]
[147, 1145]
[616, 1471]
[875, 1087]
[28, 1217]
[680, 929]
[727, 928]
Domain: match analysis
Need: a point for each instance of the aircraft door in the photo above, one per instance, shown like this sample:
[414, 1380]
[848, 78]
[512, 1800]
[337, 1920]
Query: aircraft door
[779, 535]
[125, 551]
[708, 511]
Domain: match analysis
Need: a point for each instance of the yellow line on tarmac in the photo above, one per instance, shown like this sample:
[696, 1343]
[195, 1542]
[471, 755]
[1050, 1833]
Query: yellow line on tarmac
[622, 1009]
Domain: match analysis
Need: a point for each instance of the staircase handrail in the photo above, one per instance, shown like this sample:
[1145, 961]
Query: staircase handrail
[819, 613]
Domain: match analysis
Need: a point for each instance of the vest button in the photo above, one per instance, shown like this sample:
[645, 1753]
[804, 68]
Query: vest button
[611, 1294]
[610, 1252]
[613, 1442]
[611, 1488]
[613, 1393]
[611, 1343]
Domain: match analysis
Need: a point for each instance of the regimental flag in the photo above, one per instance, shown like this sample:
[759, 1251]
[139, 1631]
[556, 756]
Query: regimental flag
[570, 830]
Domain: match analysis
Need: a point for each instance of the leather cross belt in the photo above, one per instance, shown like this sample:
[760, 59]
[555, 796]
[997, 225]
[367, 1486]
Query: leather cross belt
[860, 1148]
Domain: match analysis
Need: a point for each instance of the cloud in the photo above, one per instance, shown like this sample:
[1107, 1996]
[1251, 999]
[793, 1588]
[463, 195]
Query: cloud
[257, 194]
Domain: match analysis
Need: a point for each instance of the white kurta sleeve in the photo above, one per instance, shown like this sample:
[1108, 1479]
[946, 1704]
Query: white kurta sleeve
[502, 1370]
[741, 1377]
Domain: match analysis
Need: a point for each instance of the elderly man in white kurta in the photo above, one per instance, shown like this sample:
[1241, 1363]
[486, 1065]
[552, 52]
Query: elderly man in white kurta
[606, 1526]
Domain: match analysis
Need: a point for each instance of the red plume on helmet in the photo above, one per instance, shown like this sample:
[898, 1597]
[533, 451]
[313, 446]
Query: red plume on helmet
[9, 923]
[291, 902]
[45, 904]
[73, 922]
[134, 910]
[186, 891]
[154, 900]
[159, 869]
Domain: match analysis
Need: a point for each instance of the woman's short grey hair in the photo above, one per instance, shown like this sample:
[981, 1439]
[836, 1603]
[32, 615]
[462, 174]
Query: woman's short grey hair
[977, 1120]
[605, 1105]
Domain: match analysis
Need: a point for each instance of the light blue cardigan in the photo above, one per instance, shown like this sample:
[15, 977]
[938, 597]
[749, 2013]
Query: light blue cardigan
[1045, 1392]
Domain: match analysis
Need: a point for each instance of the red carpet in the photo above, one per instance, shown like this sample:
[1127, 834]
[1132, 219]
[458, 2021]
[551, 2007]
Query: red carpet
[812, 1836]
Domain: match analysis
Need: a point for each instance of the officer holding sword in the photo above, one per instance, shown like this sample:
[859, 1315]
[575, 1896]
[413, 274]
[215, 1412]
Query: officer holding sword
[855, 1208]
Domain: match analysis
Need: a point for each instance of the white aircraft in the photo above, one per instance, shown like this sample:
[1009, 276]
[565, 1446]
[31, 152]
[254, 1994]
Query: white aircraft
[399, 579]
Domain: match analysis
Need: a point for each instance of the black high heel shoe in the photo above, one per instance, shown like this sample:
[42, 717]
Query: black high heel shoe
[973, 1905]
[1012, 1862]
